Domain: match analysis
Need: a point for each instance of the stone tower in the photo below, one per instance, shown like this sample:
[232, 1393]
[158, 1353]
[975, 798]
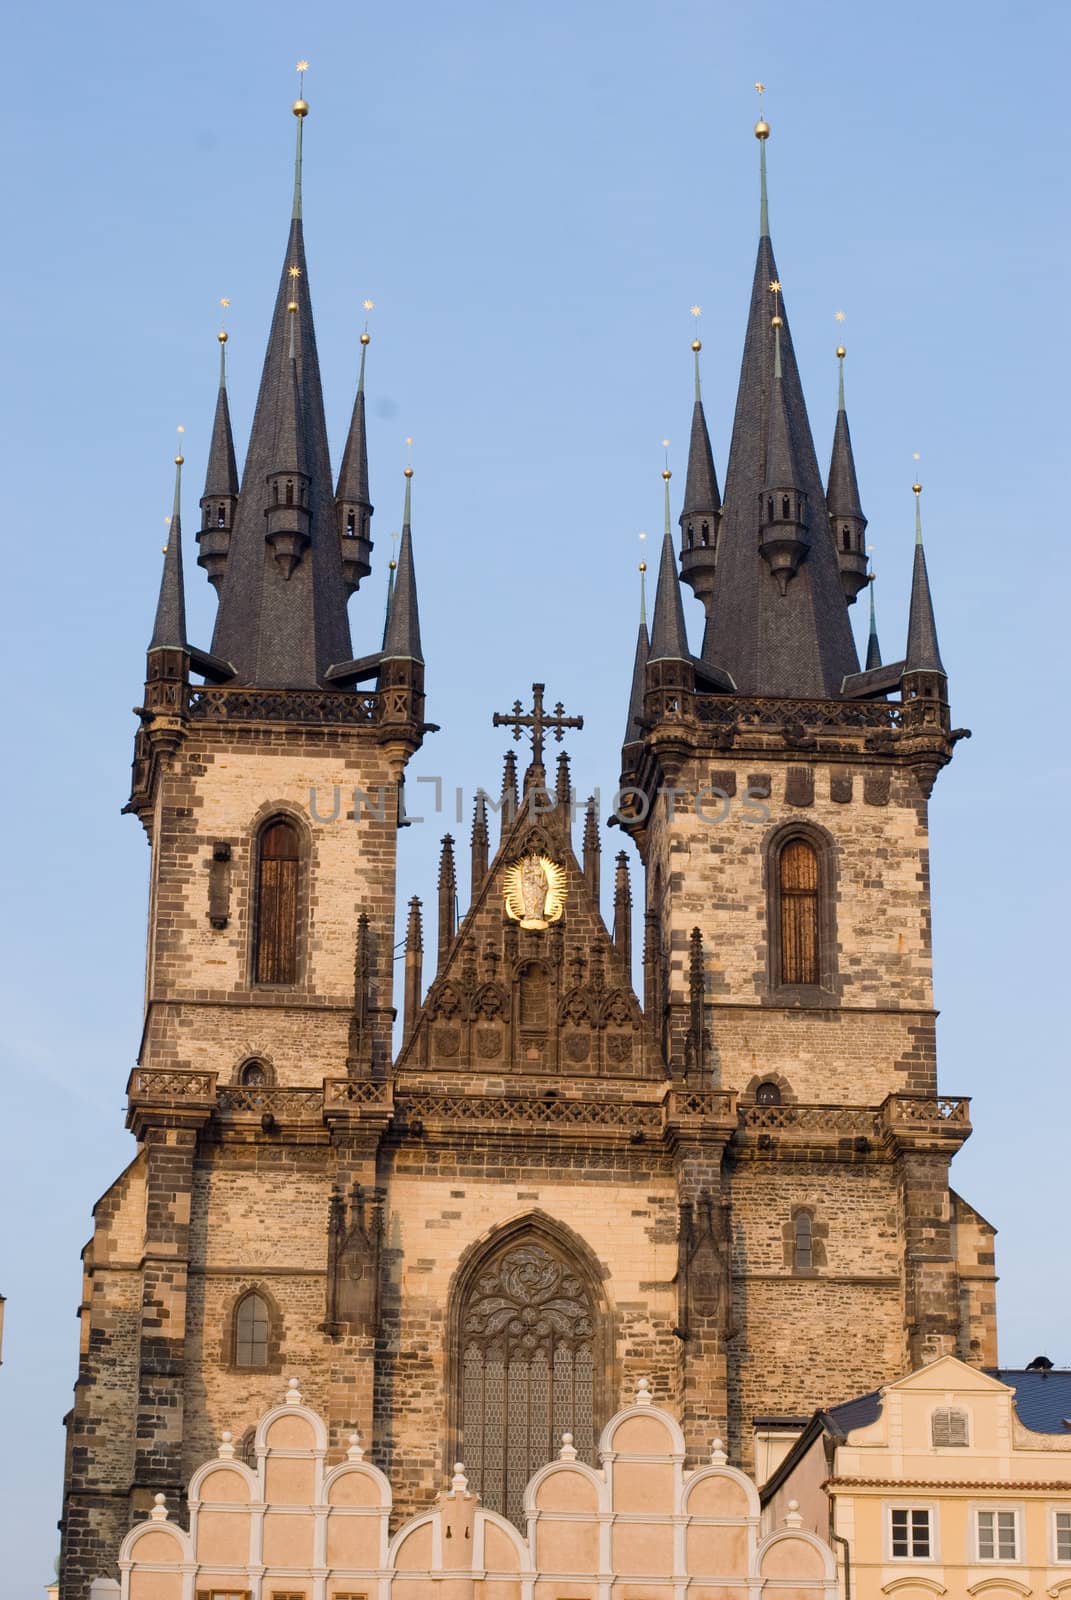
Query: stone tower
[736, 1191]
[778, 797]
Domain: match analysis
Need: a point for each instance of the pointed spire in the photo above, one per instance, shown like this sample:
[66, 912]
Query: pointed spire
[353, 505]
[701, 512]
[447, 899]
[799, 643]
[301, 111]
[762, 133]
[480, 844]
[392, 567]
[169, 627]
[592, 848]
[923, 653]
[414, 963]
[633, 725]
[563, 784]
[509, 801]
[401, 637]
[846, 519]
[284, 628]
[669, 636]
[873, 648]
[623, 911]
[220, 498]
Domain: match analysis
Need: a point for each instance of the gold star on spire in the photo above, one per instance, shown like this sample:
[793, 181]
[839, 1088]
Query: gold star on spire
[294, 272]
[224, 302]
[775, 287]
[302, 66]
[369, 305]
[697, 311]
[760, 88]
[839, 315]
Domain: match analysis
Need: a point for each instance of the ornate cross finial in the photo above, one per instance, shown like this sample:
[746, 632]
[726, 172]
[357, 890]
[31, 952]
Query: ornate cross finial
[537, 720]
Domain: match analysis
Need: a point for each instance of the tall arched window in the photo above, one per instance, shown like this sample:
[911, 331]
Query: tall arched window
[797, 869]
[252, 1324]
[528, 1354]
[275, 953]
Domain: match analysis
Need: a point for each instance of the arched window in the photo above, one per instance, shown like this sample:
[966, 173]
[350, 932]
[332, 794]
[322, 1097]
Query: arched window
[529, 1360]
[797, 879]
[768, 1094]
[251, 1328]
[786, 506]
[351, 531]
[949, 1428]
[803, 1241]
[846, 538]
[275, 954]
[290, 491]
[221, 517]
[253, 1075]
[705, 535]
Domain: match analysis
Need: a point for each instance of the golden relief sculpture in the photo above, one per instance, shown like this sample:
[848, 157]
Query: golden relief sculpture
[534, 891]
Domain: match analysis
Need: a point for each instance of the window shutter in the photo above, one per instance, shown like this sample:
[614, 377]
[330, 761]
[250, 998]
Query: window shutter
[276, 910]
[798, 879]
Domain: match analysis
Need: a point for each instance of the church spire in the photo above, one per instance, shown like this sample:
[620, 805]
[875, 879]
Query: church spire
[169, 625]
[923, 653]
[353, 505]
[282, 612]
[846, 519]
[401, 638]
[669, 636]
[784, 540]
[873, 648]
[798, 643]
[634, 724]
[702, 501]
[220, 498]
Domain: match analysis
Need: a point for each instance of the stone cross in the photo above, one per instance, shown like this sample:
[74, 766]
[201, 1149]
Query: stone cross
[537, 720]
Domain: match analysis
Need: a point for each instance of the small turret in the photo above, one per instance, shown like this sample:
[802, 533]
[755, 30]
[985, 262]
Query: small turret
[220, 499]
[509, 799]
[623, 911]
[846, 520]
[287, 509]
[873, 648]
[353, 507]
[701, 513]
[924, 677]
[592, 849]
[480, 844]
[447, 899]
[414, 963]
[783, 540]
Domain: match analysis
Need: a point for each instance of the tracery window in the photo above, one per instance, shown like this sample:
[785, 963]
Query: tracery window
[797, 870]
[528, 1340]
[251, 1329]
[275, 954]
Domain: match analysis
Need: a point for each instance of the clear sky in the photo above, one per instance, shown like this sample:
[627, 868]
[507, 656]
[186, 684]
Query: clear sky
[533, 195]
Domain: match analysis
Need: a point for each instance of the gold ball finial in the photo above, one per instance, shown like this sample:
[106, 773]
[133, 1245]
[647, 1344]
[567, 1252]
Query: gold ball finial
[392, 564]
[776, 322]
[222, 336]
[179, 460]
[408, 472]
[292, 307]
[643, 566]
[916, 487]
[366, 337]
[697, 345]
[841, 352]
[300, 108]
[762, 129]
[666, 474]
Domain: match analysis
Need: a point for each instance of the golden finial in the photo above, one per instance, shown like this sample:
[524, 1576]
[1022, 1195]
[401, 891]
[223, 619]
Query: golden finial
[697, 343]
[222, 334]
[392, 564]
[666, 474]
[841, 352]
[408, 472]
[409, 463]
[839, 315]
[366, 337]
[775, 290]
[643, 566]
[916, 487]
[180, 458]
[301, 107]
[293, 272]
[762, 127]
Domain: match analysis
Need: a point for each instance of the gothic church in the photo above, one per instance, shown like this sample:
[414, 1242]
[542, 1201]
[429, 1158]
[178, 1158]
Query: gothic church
[735, 1187]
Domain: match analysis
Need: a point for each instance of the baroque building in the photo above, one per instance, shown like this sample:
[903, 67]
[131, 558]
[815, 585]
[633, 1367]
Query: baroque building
[468, 1246]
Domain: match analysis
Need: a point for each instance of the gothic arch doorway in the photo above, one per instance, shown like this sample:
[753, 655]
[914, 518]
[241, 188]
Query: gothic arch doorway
[530, 1352]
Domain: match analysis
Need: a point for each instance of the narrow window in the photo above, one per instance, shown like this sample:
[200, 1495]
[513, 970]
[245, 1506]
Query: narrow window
[275, 493]
[769, 508]
[798, 882]
[691, 536]
[909, 1533]
[847, 538]
[1062, 1520]
[786, 507]
[290, 491]
[948, 1428]
[251, 1332]
[704, 537]
[997, 1536]
[221, 516]
[768, 1094]
[350, 528]
[803, 1242]
[276, 910]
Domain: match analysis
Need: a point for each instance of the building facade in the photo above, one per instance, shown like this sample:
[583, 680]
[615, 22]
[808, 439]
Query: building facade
[476, 1242]
[949, 1481]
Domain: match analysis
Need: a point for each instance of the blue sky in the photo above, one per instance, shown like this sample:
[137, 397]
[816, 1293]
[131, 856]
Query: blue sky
[533, 195]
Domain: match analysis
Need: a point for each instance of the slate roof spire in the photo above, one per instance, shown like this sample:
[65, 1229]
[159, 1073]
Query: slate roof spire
[221, 483]
[401, 638]
[633, 727]
[169, 625]
[923, 653]
[284, 628]
[701, 511]
[873, 648]
[799, 643]
[846, 519]
[669, 636]
[353, 503]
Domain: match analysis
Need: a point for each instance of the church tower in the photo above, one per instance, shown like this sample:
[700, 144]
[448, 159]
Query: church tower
[732, 1198]
[270, 794]
[778, 797]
